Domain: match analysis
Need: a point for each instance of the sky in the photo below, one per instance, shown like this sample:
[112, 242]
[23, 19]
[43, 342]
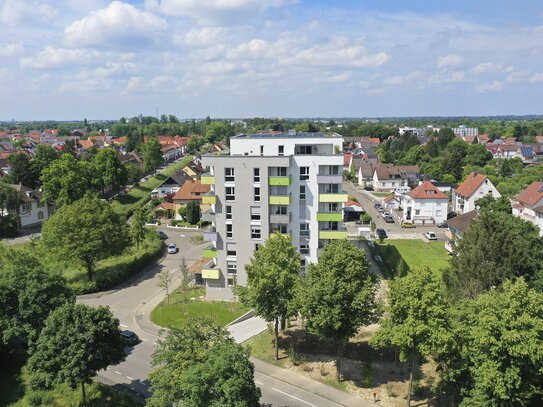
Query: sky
[94, 59]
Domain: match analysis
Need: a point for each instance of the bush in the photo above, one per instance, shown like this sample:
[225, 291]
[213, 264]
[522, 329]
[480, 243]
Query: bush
[365, 218]
[9, 227]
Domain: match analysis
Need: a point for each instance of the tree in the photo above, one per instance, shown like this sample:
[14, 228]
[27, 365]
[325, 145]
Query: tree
[445, 136]
[489, 203]
[76, 342]
[337, 295]
[416, 322]
[44, 155]
[185, 280]
[497, 246]
[22, 171]
[453, 158]
[137, 226]
[164, 281]
[66, 180]
[133, 173]
[86, 231]
[152, 154]
[10, 200]
[200, 365]
[272, 275]
[193, 212]
[112, 173]
[28, 293]
[478, 155]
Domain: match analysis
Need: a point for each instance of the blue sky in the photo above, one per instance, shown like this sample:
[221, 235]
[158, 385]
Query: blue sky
[276, 58]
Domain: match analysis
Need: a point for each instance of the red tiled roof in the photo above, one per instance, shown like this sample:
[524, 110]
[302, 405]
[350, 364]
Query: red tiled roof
[427, 190]
[375, 140]
[390, 198]
[470, 184]
[352, 203]
[191, 190]
[539, 139]
[531, 195]
[166, 205]
[86, 144]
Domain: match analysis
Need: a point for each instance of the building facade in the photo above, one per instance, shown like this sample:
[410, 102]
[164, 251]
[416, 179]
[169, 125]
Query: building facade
[474, 187]
[425, 205]
[529, 205]
[287, 183]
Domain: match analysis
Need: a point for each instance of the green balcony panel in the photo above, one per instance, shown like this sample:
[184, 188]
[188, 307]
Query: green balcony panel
[209, 199]
[279, 181]
[333, 197]
[329, 217]
[208, 180]
[280, 200]
[333, 234]
[210, 253]
[211, 274]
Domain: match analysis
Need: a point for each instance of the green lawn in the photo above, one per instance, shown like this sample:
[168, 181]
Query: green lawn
[381, 194]
[124, 203]
[415, 252]
[221, 312]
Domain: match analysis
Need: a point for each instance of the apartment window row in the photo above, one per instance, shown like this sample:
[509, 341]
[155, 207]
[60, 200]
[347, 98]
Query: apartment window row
[304, 173]
[229, 175]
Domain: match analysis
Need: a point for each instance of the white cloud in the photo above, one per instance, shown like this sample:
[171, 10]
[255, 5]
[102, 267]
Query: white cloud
[340, 77]
[495, 86]
[450, 61]
[537, 77]
[117, 24]
[14, 12]
[157, 84]
[111, 69]
[200, 37]
[10, 50]
[453, 77]
[410, 78]
[214, 10]
[59, 58]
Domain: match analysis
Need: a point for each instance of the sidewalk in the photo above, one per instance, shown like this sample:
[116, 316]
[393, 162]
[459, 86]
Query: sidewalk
[312, 386]
[241, 331]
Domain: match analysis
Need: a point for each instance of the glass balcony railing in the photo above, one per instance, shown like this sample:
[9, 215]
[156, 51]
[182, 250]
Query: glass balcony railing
[209, 198]
[333, 234]
[329, 216]
[279, 181]
[333, 197]
[210, 271]
[207, 179]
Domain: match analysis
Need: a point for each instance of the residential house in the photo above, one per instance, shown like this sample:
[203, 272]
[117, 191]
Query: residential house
[85, 144]
[171, 152]
[483, 138]
[364, 169]
[526, 153]
[388, 178]
[529, 205]
[457, 226]
[352, 211]
[539, 139]
[425, 205]
[130, 158]
[392, 202]
[347, 161]
[474, 187]
[170, 185]
[33, 211]
[191, 190]
[194, 169]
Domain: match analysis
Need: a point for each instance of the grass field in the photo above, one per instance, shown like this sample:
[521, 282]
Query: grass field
[173, 315]
[142, 191]
[381, 194]
[416, 253]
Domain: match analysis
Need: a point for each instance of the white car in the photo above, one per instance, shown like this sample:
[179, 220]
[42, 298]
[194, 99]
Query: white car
[172, 248]
[431, 236]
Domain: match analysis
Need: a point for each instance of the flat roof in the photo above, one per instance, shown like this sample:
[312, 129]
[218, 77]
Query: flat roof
[287, 135]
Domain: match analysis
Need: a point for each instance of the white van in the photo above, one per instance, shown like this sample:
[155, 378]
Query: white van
[402, 190]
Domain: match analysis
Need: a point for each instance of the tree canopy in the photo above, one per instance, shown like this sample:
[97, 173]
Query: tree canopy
[152, 154]
[111, 172]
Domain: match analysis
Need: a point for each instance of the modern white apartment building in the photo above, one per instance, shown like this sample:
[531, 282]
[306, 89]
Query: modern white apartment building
[287, 183]
[463, 131]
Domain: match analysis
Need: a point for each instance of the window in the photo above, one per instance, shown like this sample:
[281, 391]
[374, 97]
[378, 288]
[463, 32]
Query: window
[334, 170]
[228, 212]
[230, 282]
[40, 215]
[25, 207]
[281, 171]
[256, 174]
[255, 232]
[230, 193]
[280, 229]
[231, 249]
[281, 150]
[231, 267]
[261, 150]
[229, 175]
[306, 150]
[255, 213]
[257, 246]
[304, 249]
[438, 213]
[302, 266]
[417, 211]
[281, 210]
[304, 229]
[257, 194]
[229, 232]
[302, 192]
[304, 173]
[332, 207]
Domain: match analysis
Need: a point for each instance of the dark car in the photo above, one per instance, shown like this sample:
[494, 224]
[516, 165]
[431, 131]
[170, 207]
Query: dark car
[389, 219]
[443, 225]
[368, 188]
[381, 233]
[377, 206]
[130, 338]
[451, 215]
[162, 235]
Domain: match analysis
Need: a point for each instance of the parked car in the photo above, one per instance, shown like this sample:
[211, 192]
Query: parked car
[368, 188]
[381, 209]
[385, 214]
[431, 236]
[381, 233]
[451, 215]
[130, 338]
[408, 225]
[443, 225]
[172, 248]
[162, 235]
[377, 206]
[389, 219]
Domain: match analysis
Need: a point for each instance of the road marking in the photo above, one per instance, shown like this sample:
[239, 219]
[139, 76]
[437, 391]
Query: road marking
[295, 398]
[182, 235]
[123, 326]
[116, 371]
[129, 378]
[257, 382]
[145, 340]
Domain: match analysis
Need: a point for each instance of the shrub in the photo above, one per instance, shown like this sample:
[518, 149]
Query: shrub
[9, 227]
[365, 218]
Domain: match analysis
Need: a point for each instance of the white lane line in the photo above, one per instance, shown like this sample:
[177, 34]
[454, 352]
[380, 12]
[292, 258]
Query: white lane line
[293, 397]
[257, 382]
[129, 378]
[123, 326]
[116, 371]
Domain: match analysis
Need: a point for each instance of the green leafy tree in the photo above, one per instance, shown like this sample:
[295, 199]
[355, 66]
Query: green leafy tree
[416, 322]
[66, 180]
[193, 212]
[164, 281]
[453, 158]
[445, 136]
[76, 342]
[44, 155]
[478, 155]
[22, 171]
[432, 147]
[489, 203]
[497, 246]
[28, 293]
[137, 226]
[272, 275]
[86, 231]
[10, 200]
[337, 295]
[152, 154]
[111, 171]
[133, 173]
[200, 365]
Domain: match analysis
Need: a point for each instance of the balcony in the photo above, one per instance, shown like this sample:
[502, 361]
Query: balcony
[333, 234]
[208, 216]
[207, 179]
[279, 181]
[210, 235]
[210, 271]
[329, 216]
[333, 197]
[279, 200]
[280, 219]
[210, 252]
[209, 198]
[330, 179]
